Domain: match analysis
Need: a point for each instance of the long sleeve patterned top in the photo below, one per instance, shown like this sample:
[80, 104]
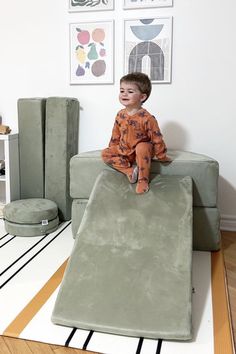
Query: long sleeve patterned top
[128, 131]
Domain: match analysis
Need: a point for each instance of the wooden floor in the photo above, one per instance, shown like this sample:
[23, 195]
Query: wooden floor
[18, 346]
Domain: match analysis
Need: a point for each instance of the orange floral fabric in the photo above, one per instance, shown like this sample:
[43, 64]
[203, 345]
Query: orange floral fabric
[128, 131]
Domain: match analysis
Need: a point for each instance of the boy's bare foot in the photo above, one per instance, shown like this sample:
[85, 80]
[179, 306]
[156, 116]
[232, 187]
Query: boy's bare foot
[142, 187]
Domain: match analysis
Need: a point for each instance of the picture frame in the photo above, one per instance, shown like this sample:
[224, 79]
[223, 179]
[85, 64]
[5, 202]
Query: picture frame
[148, 47]
[90, 5]
[91, 52]
[138, 4]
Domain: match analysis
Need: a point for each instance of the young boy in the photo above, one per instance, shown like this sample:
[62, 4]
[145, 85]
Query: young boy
[136, 136]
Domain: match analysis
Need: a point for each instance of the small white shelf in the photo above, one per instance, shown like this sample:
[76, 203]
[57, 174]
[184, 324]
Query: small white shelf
[9, 183]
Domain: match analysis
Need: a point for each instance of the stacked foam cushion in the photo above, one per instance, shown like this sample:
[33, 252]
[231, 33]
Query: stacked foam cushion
[48, 138]
[204, 170]
[61, 144]
[31, 217]
[31, 124]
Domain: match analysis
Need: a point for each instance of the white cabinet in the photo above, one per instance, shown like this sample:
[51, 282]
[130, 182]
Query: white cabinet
[9, 182]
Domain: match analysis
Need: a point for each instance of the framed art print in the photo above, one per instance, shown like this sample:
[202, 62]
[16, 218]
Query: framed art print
[137, 4]
[90, 5]
[148, 47]
[91, 52]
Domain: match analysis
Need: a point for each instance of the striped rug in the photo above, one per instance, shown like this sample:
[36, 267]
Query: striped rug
[31, 270]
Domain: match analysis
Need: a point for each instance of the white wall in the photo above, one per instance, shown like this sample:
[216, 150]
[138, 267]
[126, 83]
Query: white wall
[196, 111]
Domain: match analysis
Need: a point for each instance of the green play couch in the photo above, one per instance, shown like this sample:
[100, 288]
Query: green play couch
[85, 167]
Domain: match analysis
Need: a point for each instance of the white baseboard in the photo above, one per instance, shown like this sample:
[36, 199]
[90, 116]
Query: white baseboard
[228, 222]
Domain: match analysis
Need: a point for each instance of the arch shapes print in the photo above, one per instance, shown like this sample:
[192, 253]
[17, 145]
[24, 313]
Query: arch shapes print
[148, 47]
[155, 65]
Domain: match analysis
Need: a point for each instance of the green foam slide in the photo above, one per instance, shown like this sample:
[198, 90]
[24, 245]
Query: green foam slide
[130, 269]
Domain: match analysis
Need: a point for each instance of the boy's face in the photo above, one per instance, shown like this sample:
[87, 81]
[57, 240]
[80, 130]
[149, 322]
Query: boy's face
[130, 95]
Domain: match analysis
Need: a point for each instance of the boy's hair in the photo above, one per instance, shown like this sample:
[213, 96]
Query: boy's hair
[141, 80]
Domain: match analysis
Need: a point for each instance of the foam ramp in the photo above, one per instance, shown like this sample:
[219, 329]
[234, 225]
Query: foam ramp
[130, 269]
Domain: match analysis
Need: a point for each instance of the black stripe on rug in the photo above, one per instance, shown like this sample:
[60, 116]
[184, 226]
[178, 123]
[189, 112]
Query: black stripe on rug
[140, 343]
[67, 342]
[3, 236]
[36, 254]
[87, 340]
[7, 241]
[159, 344]
[20, 257]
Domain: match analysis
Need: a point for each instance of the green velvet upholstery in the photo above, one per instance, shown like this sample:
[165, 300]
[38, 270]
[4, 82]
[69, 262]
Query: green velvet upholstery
[31, 120]
[206, 229]
[30, 230]
[77, 212]
[31, 217]
[85, 167]
[48, 138]
[62, 119]
[130, 268]
[206, 224]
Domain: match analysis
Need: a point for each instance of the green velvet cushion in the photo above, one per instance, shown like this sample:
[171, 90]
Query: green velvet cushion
[31, 120]
[77, 212]
[31, 230]
[206, 229]
[130, 268]
[62, 118]
[30, 211]
[85, 167]
[206, 225]
[31, 217]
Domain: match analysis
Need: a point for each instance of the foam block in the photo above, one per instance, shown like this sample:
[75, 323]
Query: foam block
[31, 120]
[130, 269]
[206, 228]
[31, 217]
[62, 117]
[204, 171]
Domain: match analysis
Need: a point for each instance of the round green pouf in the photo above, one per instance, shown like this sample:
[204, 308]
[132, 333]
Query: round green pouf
[31, 217]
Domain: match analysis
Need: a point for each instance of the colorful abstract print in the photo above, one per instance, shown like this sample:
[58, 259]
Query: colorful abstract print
[90, 52]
